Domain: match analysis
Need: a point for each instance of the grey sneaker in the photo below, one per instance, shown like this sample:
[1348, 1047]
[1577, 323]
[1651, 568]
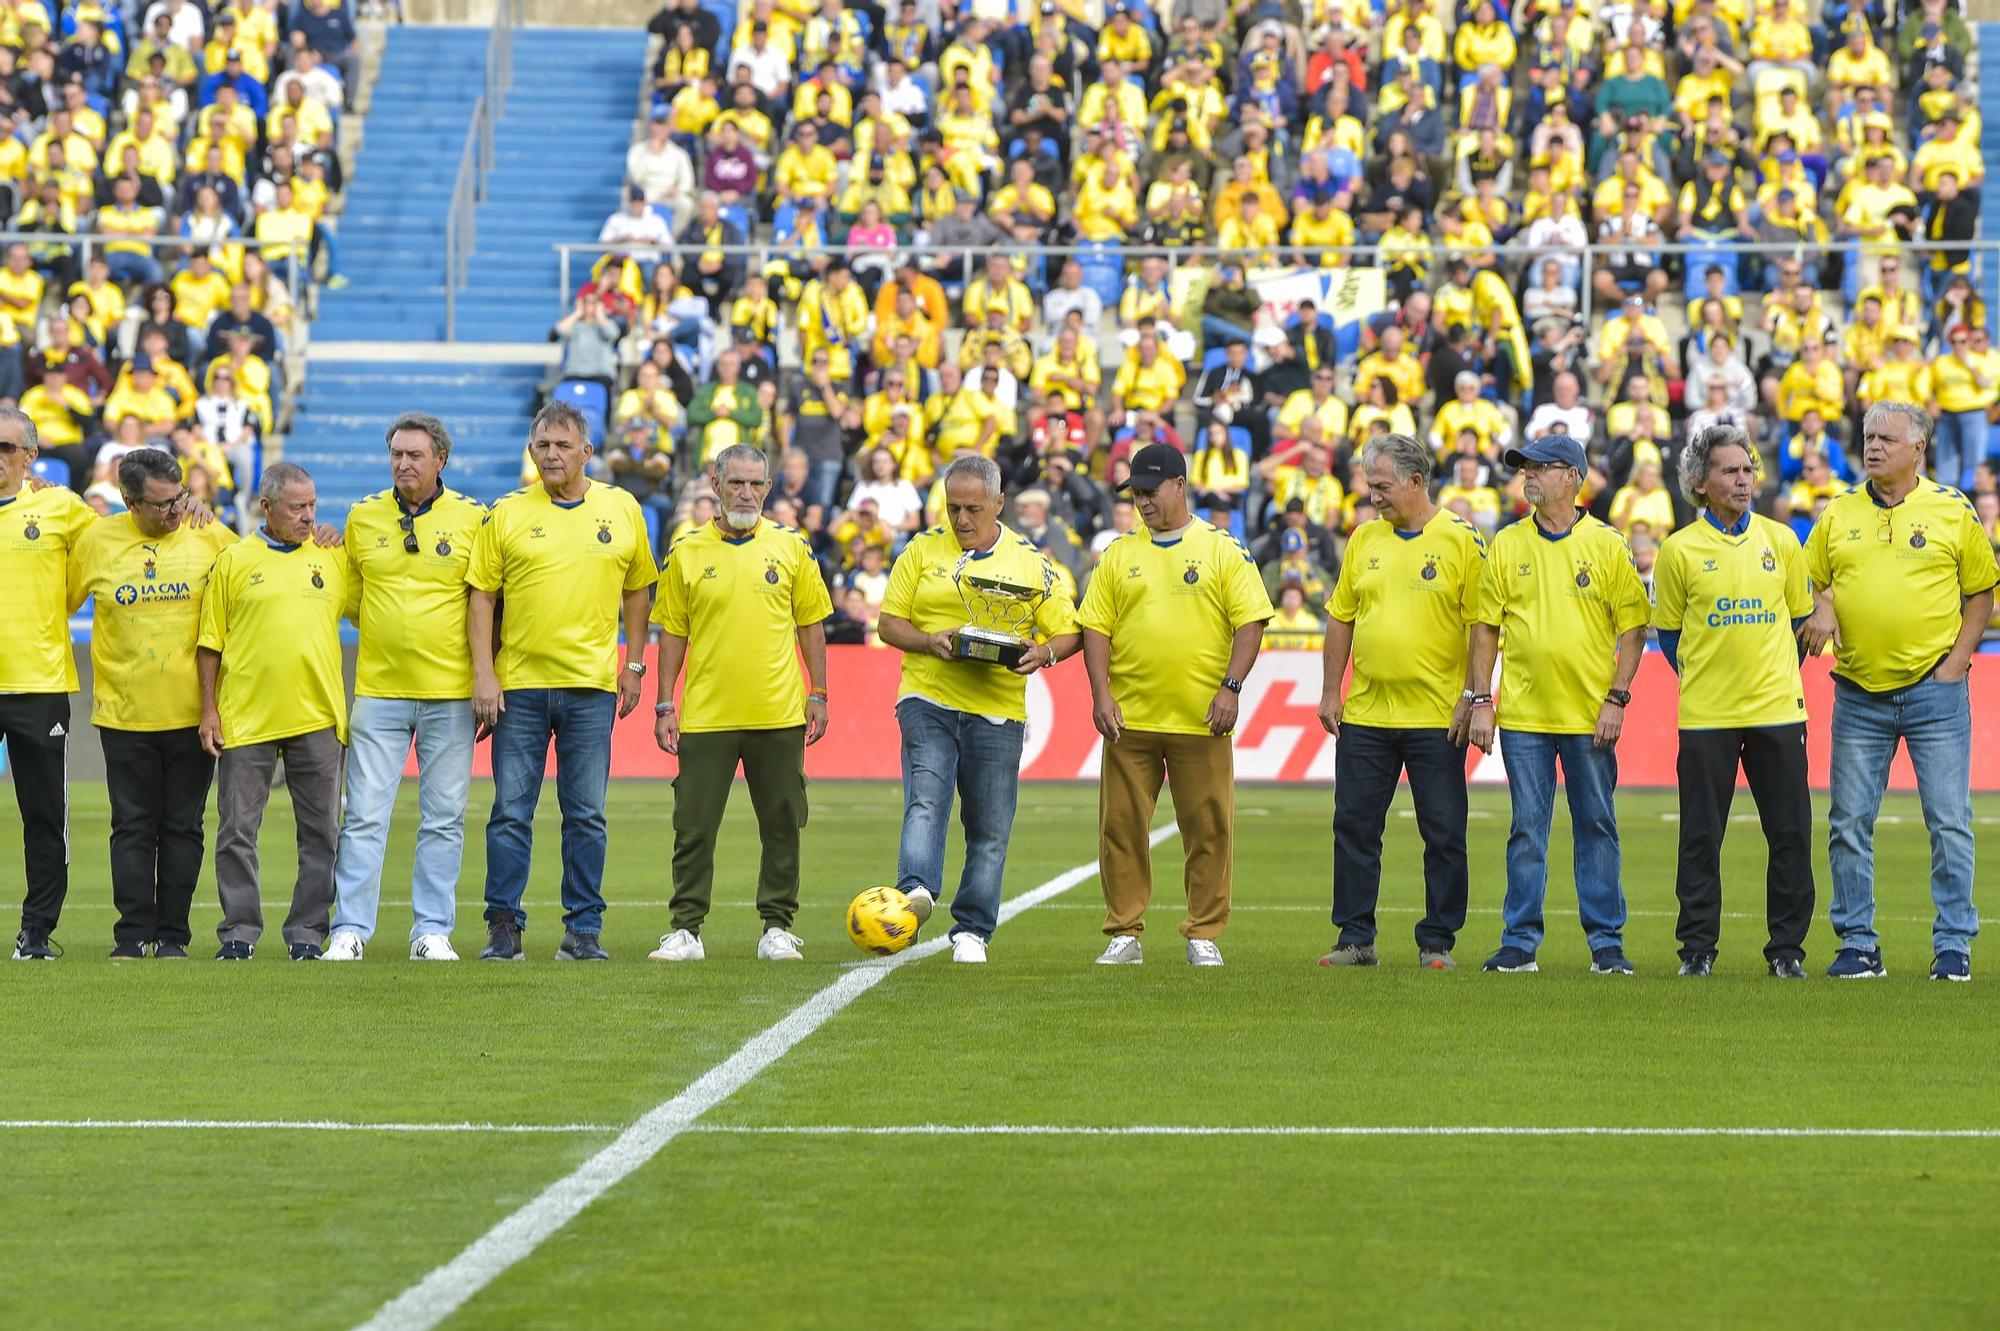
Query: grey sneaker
[1122, 951]
[1435, 959]
[921, 903]
[1352, 954]
[503, 942]
[581, 947]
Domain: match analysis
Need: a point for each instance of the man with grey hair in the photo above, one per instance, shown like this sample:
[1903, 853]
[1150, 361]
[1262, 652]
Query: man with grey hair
[408, 547]
[741, 600]
[268, 661]
[571, 558]
[1729, 595]
[963, 719]
[1402, 609]
[1903, 579]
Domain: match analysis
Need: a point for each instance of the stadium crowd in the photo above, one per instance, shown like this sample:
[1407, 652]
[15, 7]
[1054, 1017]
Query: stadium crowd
[830, 249]
[214, 123]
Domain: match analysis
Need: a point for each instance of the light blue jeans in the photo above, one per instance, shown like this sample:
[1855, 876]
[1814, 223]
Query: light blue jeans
[1961, 443]
[380, 733]
[1590, 775]
[946, 751]
[1934, 721]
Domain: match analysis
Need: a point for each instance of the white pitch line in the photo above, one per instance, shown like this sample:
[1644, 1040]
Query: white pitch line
[294, 1125]
[445, 1290]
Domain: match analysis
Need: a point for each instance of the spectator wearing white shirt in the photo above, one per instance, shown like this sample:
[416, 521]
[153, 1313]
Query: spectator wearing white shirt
[1069, 293]
[897, 502]
[637, 224]
[770, 69]
[187, 25]
[1560, 226]
[661, 168]
[1565, 413]
[903, 95]
[1555, 297]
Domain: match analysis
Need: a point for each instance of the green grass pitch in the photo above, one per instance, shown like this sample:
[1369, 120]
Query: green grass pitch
[176, 1226]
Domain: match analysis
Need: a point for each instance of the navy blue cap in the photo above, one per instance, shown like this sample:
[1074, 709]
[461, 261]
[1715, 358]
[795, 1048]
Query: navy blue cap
[1560, 448]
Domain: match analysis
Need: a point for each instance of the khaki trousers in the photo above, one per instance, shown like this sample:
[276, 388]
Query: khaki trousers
[1203, 772]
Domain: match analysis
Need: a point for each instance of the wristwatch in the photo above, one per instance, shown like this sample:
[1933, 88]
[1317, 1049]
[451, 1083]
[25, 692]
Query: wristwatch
[637, 667]
[1619, 697]
[1233, 684]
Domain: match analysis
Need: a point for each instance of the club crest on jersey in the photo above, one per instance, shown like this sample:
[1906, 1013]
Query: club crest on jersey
[1192, 576]
[151, 566]
[32, 531]
[1770, 562]
[1918, 540]
[603, 533]
[319, 583]
[1430, 568]
[771, 576]
[1583, 575]
[444, 545]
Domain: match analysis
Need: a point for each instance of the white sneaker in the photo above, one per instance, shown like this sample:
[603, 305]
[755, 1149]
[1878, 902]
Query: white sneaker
[431, 947]
[778, 945]
[345, 945]
[680, 945]
[1122, 951]
[1203, 952]
[922, 903]
[969, 948]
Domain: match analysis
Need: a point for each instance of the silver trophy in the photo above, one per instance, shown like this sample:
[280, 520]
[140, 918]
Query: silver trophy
[1000, 628]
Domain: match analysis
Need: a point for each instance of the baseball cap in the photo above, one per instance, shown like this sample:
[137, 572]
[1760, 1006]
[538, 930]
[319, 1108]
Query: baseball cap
[663, 113]
[1292, 543]
[1154, 465]
[142, 362]
[1549, 448]
[635, 195]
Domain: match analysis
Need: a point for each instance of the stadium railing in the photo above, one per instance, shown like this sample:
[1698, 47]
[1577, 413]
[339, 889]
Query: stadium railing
[475, 159]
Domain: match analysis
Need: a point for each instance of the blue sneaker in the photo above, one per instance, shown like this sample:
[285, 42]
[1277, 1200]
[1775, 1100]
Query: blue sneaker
[1609, 961]
[234, 950]
[1512, 961]
[1951, 966]
[1851, 963]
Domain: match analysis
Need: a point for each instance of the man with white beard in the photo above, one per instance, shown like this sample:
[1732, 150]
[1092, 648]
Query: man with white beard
[741, 600]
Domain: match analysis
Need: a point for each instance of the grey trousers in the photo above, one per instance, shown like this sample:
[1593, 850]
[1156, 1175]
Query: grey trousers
[243, 787]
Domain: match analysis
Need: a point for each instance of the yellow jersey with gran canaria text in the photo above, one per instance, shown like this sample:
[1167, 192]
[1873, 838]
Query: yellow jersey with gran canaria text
[561, 571]
[148, 592]
[1732, 596]
[410, 605]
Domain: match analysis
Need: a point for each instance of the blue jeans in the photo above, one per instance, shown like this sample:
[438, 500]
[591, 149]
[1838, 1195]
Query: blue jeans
[1934, 720]
[379, 734]
[946, 751]
[1961, 443]
[1220, 332]
[143, 269]
[823, 483]
[1591, 776]
[580, 720]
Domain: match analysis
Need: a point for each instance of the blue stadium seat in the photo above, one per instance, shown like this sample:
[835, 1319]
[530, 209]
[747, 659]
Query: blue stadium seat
[1103, 264]
[53, 470]
[1239, 439]
[593, 400]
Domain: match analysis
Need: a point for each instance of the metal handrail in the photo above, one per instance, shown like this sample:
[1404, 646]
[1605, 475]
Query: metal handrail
[476, 159]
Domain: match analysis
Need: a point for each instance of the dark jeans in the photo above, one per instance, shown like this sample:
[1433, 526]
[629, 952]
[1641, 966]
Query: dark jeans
[35, 727]
[774, 769]
[580, 721]
[1366, 763]
[1774, 760]
[158, 781]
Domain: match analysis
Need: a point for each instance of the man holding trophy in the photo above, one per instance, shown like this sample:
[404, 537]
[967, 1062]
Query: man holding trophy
[972, 606]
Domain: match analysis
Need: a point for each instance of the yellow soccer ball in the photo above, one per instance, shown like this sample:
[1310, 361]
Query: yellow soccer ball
[881, 922]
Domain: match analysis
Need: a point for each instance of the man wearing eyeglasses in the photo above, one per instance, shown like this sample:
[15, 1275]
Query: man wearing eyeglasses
[1903, 579]
[408, 546]
[38, 530]
[147, 570]
[1563, 587]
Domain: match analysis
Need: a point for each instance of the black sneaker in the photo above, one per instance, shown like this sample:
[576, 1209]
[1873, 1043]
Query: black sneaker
[306, 952]
[1609, 961]
[1851, 963]
[235, 950]
[581, 947]
[503, 942]
[1699, 966]
[1788, 968]
[1512, 961]
[169, 952]
[129, 952]
[35, 945]
[1951, 966]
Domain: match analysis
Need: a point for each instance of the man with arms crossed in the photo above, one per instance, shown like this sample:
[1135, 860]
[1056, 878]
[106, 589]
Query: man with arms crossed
[1562, 586]
[741, 599]
[1406, 597]
[148, 570]
[963, 722]
[268, 660]
[1903, 579]
[1171, 625]
[571, 560]
[1729, 591]
[38, 529]
[408, 547]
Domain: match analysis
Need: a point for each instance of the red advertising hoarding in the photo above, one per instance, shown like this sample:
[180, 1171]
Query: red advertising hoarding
[1278, 736]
